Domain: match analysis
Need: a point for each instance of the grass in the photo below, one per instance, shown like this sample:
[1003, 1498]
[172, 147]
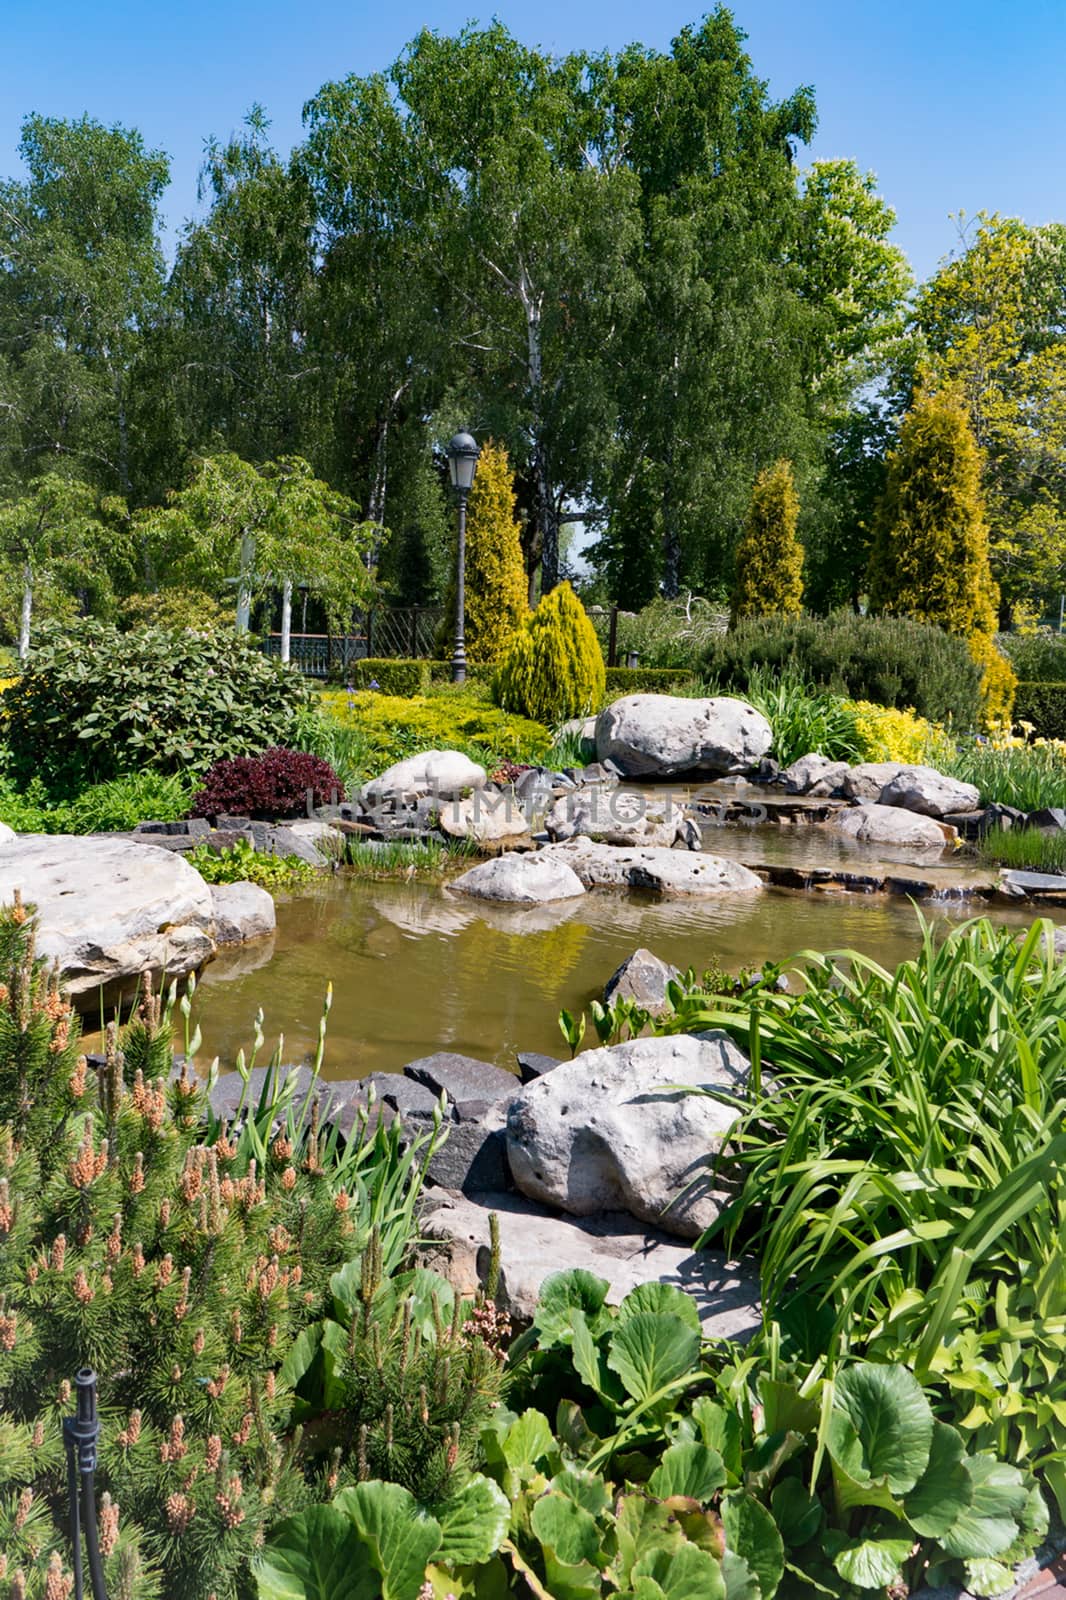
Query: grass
[1030, 849]
[1028, 776]
[406, 858]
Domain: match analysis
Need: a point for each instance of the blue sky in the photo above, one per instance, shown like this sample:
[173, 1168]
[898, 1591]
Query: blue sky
[954, 105]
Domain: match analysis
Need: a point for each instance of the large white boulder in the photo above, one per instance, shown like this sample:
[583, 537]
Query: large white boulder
[108, 908]
[443, 773]
[657, 735]
[664, 871]
[616, 1130]
[930, 793]
[523, 879]
[487, 816]
[890, 825]
[6, 834]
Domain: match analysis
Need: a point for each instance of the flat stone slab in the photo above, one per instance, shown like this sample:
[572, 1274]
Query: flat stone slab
[462, 1077]
[533, 1064]
[534, 1243]
[1035, 882]
[662, 871]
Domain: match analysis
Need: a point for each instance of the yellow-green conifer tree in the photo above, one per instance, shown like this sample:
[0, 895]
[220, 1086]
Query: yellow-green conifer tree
[769, 558]
[930, 555]
[496, 584]
[554, 666]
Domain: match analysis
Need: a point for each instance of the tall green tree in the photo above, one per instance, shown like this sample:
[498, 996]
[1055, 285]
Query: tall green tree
[769, 558]
[55, 537]
[81, 276]
[994, 321]
[495, 579]
[709, 375]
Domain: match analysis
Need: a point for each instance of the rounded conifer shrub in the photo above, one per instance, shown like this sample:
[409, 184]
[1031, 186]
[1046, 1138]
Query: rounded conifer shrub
[554, 667]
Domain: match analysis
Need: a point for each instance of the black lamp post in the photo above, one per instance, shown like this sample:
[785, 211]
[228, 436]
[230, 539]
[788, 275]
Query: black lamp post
[462, 465]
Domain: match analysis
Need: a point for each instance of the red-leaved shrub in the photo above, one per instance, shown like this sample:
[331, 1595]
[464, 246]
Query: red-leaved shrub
[275, 784]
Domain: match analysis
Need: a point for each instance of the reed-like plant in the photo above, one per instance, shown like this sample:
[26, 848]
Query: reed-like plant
[903, 1165]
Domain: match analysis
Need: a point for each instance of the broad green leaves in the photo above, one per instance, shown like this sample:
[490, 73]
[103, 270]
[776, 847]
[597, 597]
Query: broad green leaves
[651, 1351]
[882, 1427]
[317, 1555]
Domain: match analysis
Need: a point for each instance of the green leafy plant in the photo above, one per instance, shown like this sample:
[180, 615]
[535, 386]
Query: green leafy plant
[904, 1168]
[1027, 776]
[93, 703]
[115, 806]
[243, 863]
[388, 728]
[1031, 849]
[1041, 706]
[803, 719]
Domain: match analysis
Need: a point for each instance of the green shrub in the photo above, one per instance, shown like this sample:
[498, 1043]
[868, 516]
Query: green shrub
[769, 557]
[554, 667]
[645, 680]
[440, 672]
[184, 1260]
[390, 675]
[387, 728]
[804, 720]
[174, 608]
[889, 660]
[1027, 776]
[1043, 706]
[93, 703]
[665, 633]
[112, 807]
[903, 1181]
[1036, 657]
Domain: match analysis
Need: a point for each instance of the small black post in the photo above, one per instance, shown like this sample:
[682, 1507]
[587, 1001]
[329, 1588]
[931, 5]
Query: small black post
[80, 1433]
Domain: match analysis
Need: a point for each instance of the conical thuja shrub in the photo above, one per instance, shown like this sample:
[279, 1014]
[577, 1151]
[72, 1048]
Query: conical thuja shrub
[554, 667]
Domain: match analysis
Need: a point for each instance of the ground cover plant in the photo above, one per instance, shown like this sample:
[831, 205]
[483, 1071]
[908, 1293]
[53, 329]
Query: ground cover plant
[383, 729]
[114, 806]
[243, 863]
[904, 1170]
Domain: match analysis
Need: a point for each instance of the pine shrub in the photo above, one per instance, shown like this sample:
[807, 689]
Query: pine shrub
[554, 668]
[769, 557]
[496, 587]
[1042, 707]
[276, 784]
[891, 661]
[930, 558]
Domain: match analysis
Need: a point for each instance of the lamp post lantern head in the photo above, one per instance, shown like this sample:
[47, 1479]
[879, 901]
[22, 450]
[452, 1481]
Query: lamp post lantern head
[462, 461]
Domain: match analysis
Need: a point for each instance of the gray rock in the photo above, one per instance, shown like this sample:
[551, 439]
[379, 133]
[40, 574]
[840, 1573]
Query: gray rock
[461, 1077]
[614, 1130]
[405, 1095]
[532, 1064]
[473, 1157]
[242, 911]
[615, 816]
[227, 1092]
[666, 872]
[443, 773]
[890, 825]
[866, 780]
[521, 879]
[108, 909]
[326, 839]
[488, 814]
[641, 977]
[1051, 817]
[1034, 883]
[814, 775]
[277, 841]
[647, 735]
[928, 792]
[535, 1244]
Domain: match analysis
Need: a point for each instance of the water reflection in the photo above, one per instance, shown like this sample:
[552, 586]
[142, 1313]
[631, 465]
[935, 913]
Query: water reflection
[415, 968]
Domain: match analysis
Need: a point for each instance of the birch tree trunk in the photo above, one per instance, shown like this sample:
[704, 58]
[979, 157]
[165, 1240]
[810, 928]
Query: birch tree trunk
[286, 619]
[27, 611]
[244, 582]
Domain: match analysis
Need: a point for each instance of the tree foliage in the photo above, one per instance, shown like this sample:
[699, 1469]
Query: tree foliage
[769, 557]
[930, 558]
[496, 585]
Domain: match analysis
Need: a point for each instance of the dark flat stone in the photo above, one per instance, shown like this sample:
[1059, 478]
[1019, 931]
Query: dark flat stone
[1036, 882]
[404, 1095]
[461, 1077]
[473, 1157]
[531, 1064]
[1048, 817]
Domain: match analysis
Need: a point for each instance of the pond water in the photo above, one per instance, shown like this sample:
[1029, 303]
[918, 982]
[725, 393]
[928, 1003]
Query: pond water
[416, 968]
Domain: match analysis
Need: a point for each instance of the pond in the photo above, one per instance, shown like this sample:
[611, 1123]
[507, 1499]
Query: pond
[416, 968]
